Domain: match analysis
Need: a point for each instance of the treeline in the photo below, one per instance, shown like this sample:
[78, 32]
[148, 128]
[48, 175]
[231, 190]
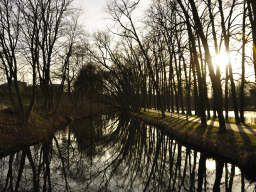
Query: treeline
[167, 57]
[161, 58]
[37, 40]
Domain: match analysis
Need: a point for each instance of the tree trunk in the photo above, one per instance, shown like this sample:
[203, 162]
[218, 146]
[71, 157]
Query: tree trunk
[226, 94]
[197, 66]
[243, 70]
[206, 100]
[215, 79]
[226, 40]
[195, 86]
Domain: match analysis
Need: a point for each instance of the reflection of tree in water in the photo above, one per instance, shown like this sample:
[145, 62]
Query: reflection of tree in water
[116, 155]
[87, 134]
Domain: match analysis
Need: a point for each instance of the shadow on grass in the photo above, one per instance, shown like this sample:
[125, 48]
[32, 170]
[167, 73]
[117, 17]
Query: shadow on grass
[247, 129]
[210, 129]
[228, 137]
[240, 140]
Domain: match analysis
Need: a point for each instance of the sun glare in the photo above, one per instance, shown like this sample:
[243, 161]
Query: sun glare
[222, 59]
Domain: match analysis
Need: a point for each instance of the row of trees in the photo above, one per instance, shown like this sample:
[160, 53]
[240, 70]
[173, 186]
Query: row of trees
[156, 61]
[170, 54]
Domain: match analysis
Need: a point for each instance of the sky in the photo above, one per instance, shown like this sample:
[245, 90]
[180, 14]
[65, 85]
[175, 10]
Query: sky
[94, 16]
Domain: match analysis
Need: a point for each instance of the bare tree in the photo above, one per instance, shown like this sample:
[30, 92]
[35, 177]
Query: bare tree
[252, 17]
[123, 9]
[214, 77]
[10, 16]
[243, 67]
[51, 31]
[226, 35]
[197, 66]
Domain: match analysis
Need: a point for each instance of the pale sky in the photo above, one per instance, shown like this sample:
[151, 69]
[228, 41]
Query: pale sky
[94, 14]
[95, 17]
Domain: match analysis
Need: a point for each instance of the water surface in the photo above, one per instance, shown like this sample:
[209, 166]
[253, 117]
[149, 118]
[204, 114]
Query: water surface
[115, 153]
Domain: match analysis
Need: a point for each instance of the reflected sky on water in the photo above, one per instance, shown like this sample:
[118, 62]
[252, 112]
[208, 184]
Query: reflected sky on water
[115, 153]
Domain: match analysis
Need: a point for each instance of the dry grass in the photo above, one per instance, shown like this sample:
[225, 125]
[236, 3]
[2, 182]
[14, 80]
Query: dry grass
[14, 135]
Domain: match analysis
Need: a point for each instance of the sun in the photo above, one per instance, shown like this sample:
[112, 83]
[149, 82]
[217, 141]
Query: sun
[221, 59]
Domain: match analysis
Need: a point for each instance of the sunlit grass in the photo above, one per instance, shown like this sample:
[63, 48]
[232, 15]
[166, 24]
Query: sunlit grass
[213, 119]
[242, 142]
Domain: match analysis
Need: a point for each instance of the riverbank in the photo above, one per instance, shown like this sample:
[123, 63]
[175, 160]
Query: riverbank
[14, 135]
[235, 146]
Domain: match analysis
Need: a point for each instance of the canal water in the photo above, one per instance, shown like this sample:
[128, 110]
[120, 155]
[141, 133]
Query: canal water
[249, 116]
[116, 153]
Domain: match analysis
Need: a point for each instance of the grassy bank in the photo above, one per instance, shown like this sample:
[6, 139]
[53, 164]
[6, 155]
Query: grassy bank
[14, 135]
[237, 147]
